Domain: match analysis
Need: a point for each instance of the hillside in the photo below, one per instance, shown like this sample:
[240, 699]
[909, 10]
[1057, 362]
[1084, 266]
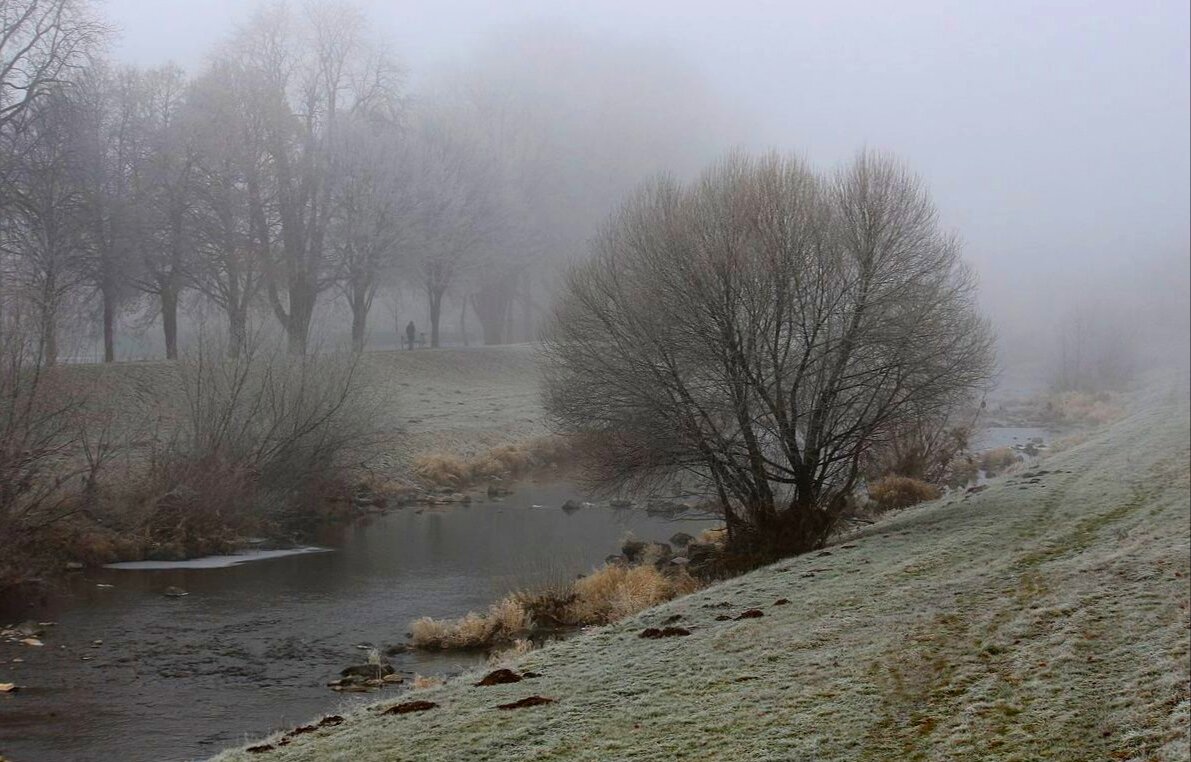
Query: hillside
[1045, 617]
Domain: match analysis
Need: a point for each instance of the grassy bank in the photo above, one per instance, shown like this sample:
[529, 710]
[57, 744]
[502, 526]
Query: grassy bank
[1045, 617]
[193, 457]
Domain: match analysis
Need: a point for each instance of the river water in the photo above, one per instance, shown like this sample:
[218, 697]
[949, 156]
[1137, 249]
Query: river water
[251, 646]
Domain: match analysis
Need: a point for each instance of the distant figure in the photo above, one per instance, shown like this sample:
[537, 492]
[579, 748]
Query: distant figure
[409, 334]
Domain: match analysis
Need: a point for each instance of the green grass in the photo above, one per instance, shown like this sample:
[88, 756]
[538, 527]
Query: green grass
[1019, 624]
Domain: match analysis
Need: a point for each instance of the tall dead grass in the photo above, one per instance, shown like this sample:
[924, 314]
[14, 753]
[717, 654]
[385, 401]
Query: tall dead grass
[996, 461]
[895, 492]
[262, 441]
[607, 595]
[442, 469]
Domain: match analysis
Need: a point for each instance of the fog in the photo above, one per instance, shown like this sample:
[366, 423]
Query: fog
[1054, 138]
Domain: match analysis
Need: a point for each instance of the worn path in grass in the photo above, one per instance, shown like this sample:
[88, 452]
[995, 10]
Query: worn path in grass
[1043, 618]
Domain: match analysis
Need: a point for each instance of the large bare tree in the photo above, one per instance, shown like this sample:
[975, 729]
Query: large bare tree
[304, 72]
[43, 233]
[42, 44]
[231, 233]
[373, 211]
[758, 332]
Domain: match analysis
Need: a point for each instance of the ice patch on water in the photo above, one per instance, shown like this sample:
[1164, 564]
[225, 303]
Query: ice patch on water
[215, 562]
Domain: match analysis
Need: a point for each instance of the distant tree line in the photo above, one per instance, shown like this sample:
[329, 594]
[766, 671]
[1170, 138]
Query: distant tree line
[293, 171]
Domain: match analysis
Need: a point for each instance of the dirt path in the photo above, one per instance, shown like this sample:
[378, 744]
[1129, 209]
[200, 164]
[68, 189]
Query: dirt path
[1044, 618]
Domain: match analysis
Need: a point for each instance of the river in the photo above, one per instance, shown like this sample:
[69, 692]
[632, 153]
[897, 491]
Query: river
[250, 647]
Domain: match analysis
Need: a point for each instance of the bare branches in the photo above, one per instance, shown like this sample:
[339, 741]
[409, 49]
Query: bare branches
[41, 43]
[759, 331]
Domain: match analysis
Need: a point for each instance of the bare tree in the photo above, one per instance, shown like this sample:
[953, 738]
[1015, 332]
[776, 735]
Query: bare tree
[231, 233]
[758, 332]
[373, 210]
[304, 73]
[164, 191]
[112, 155]
[42, 43]
[43, 235]
[455, 197]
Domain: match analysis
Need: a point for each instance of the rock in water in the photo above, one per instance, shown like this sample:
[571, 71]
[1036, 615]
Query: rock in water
[174, 592]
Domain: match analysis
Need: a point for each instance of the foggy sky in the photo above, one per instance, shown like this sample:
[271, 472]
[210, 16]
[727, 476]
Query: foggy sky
[1054, 136]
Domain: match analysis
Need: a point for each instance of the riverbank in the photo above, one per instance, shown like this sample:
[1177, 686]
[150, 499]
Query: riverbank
[453, 403]
[1045, 616]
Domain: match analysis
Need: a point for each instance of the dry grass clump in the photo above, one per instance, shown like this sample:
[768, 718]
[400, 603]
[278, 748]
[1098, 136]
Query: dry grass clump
[962, 470]
[606, 595]
[505, 622]
[716, 536]
[901, 492]
[995, 461]
[421, 682]
[1084, 409]
[504, 460]
[614, 592]
[440, 469]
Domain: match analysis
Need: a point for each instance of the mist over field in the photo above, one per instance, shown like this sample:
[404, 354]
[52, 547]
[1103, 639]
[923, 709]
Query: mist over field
[617, 380]
[1052, 137]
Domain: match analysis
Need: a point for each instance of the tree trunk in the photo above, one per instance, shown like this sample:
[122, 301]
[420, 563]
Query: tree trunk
[237, 330]
[49, 338]
[301, 310]
[109, 326]
[169, 320]
[491, 305]
[527, 308]
[435, 313]
[359, 323]
[463, 321]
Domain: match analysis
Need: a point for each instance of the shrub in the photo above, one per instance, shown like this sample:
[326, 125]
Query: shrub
[505, 622]
[441, 469]
[606, 595]
[901, 492]
[261, 440]
[962, 470]
[995, 461]
[614, 592]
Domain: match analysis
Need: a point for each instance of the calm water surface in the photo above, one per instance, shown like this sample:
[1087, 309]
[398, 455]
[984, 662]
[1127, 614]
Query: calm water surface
[251, 648]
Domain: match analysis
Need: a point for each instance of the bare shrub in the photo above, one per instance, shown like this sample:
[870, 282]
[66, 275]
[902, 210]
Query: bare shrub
[262, 438]
[995, 461]
[922, 448]
[758, 332]
[1076, 408]
[1096, 352]
[442, 469]
[48, 465]
[894, 492]
[962, 470]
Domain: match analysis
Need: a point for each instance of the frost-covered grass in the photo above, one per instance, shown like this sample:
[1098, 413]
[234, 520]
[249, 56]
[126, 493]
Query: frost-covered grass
[1033, 620]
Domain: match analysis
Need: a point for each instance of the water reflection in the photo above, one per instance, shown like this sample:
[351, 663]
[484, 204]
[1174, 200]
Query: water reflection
[251, 647]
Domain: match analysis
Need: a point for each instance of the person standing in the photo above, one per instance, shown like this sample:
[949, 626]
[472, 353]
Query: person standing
[409, 334]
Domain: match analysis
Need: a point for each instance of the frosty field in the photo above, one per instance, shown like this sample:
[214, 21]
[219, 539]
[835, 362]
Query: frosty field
[1043, 618]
